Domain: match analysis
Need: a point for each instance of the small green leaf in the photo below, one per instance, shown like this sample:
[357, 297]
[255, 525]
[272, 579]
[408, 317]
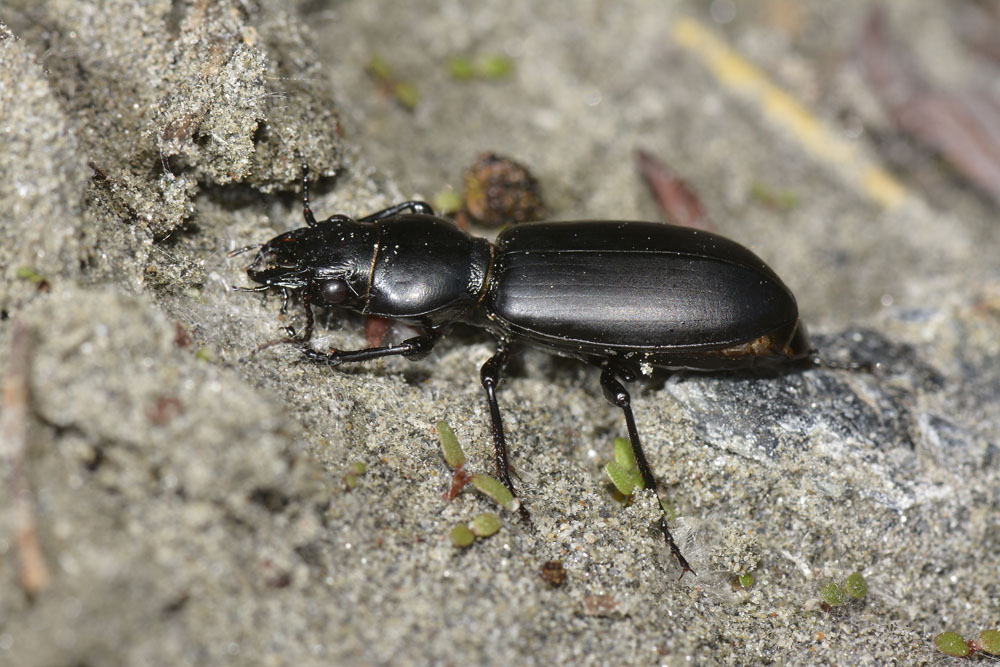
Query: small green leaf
[746, 580]
[485, 524]
[494, 489]
[669, 511]
[461, 68]
[351, 481]
[406, 94]
[461, 536]
[453, 453]
[989, 642]
[637, 479]
[780, 200]
[495, 67]
[624, 454]
[951, 643]
[832, 594]
[620, 477]
[29, 274]
[856, 586]
[379, 68]
[358, 468]
[447, 201]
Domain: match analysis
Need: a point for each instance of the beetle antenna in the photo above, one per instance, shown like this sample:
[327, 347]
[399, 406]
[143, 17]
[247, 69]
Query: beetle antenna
[240, 251]
[871, 367]
[307, 212]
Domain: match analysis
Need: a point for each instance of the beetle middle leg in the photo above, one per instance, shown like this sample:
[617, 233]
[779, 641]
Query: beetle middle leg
[490, 374]
[422, 208]
[616, 394]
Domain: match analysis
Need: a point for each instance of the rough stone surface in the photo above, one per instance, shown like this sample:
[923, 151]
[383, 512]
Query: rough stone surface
[191, 496]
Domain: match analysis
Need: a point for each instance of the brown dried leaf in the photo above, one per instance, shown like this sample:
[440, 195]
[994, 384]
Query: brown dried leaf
[678, 202]
[963, 127]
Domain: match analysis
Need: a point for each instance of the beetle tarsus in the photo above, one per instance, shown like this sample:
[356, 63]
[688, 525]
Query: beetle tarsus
[674, 549]
[616, 394]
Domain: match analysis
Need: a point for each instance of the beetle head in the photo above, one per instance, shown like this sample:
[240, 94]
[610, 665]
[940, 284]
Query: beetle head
[330, 262]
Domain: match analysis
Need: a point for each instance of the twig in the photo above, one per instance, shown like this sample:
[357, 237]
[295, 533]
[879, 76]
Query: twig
[33, 572]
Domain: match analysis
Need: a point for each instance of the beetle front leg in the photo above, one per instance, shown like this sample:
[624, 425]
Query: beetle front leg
[292, 338]
[412, 348]
[490, 374]
[616, 394]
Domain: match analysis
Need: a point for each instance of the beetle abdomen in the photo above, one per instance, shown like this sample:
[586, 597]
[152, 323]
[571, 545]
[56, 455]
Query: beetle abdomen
[661, 287]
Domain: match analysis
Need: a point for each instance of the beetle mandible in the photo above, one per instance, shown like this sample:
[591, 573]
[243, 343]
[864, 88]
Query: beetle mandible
[622, 296]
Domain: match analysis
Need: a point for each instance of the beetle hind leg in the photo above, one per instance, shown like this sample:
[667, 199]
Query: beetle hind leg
[616, 394]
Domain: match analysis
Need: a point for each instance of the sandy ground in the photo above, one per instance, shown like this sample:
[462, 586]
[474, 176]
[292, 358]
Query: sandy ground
[190, 498]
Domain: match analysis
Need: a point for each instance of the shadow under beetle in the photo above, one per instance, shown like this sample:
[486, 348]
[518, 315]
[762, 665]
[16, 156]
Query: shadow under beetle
[622, 296]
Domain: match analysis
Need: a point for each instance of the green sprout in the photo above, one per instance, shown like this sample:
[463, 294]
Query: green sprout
[780, 200]
[447, 201]
[989, 642]
[30, 274]
[462, 68]
[951, 643]
[404, 92]
[354, 471]
[461, 536]
[453, 453]
[485, 524]
[624, 471]
[486, 67]
[833, 594]
[495, 489]
[379, 68]
[746, 580]
[856, 586]
[495, 67]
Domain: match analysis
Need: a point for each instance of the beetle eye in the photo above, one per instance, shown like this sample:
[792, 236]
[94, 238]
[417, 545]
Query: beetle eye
[332, 292]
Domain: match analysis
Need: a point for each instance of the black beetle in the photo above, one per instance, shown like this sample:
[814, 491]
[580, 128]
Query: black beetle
[623, 296]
